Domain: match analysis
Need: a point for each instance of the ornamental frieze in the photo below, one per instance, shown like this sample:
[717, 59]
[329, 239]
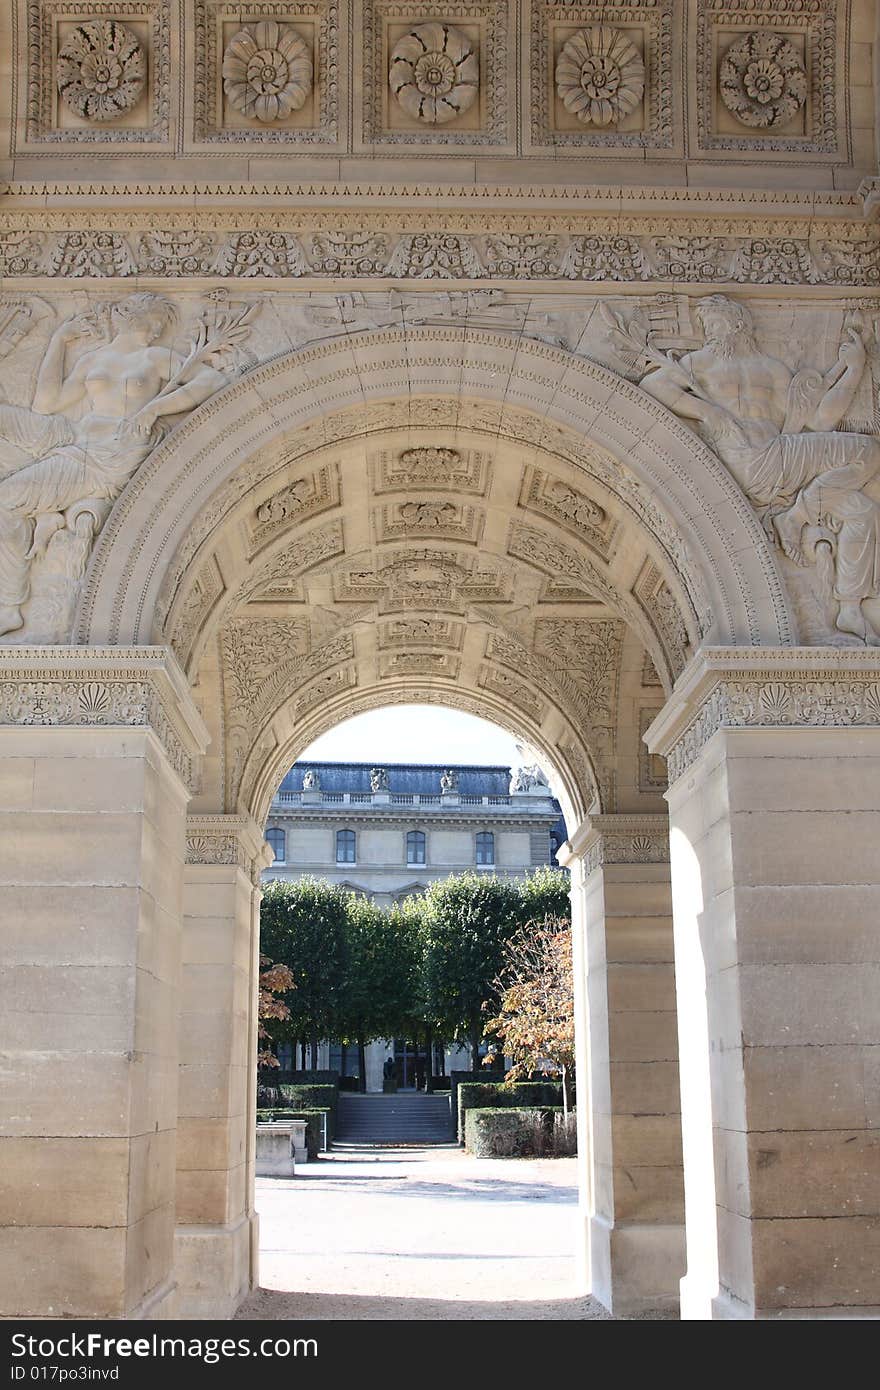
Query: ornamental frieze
[849, 260]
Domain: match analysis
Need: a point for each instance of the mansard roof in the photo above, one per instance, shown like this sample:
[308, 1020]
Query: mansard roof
[403, 778]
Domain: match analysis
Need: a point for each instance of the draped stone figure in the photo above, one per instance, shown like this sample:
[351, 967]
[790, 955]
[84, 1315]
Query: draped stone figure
[92, 423]
[777, 432]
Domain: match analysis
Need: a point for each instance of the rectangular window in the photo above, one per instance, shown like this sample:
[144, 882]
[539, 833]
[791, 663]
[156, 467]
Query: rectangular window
[415, 847]
[485, 847]
[345, 846]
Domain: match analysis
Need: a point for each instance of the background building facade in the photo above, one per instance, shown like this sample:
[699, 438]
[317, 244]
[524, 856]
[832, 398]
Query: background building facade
[390, 831]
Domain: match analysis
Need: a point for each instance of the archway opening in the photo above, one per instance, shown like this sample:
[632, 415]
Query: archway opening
[414, 810]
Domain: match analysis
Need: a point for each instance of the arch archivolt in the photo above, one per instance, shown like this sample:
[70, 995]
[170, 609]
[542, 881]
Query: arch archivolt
[510, 388]
[446, 516]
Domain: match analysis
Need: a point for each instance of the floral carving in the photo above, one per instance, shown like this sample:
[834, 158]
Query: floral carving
[762, 80]
[435, 73]
[600, 76]
[267, 70]
[101, 70]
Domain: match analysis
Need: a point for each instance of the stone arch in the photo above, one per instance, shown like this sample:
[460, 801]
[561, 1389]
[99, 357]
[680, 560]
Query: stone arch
[508, 387]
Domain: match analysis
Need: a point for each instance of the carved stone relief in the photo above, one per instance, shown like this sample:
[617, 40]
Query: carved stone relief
[297, 501]
[762, 80]
[436, 77]
[267, 70]
[101, 70]
[421, 632]
[772, 86]
[602, 75]
[782, 433]
[654, 597]
[272, 80]
[94, 80]
[432, 664]
[429, 579]
[835, 254]
[107, 383]
[435, 73]
[435, 519]
[572, 508]
[429, 467]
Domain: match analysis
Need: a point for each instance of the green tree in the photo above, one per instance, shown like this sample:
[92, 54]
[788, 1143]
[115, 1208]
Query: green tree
[304, 925]
[380, 997]
[544, 895]
[466, 920]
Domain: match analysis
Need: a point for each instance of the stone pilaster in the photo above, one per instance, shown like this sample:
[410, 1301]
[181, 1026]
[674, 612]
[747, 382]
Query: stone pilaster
[774, 765]
[216, 1237]
[97, 756]
[629, 1131]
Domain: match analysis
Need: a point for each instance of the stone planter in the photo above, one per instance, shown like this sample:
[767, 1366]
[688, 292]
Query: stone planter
[280, 1147]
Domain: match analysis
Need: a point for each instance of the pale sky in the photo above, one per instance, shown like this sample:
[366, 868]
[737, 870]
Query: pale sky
[415, 734]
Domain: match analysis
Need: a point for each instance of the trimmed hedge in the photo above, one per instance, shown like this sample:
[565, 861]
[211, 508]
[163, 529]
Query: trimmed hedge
[458, 1078]
[483, 1095]
[313, 1098]
[522, 1131]
[508, 1132]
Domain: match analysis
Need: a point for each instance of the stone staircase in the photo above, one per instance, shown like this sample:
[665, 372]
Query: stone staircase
[391, 1121]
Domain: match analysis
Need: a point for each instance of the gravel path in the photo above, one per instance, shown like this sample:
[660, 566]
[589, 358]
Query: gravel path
[425, 1233]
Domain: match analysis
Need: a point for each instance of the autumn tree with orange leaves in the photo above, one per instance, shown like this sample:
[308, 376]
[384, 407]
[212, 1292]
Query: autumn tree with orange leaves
[274, 980]
[535, 1019]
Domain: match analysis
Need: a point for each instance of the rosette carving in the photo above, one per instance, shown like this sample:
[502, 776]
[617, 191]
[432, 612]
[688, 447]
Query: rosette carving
[600, 75]
[101, 70]
[267, 70]
[762, 80]
[435, 73]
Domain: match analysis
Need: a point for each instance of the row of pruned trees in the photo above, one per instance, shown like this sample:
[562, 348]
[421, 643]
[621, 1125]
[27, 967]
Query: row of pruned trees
[426, 969]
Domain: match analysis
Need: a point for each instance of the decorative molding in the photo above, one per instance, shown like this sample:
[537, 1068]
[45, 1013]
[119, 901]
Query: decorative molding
[723, 27]
[425, 467]
[314, 123]
[51, 25]
[623, 839]
[101, 70]
[653, 776]
[764, 688]
[260, 249]
[434, 72]
[646, 25]
[106, 687]
[227, 840]
[481, 25]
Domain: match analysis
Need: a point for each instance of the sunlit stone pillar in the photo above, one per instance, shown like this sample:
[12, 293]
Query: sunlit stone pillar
[629, 1131]
[774, 767]
[96, 762]
[216, 1238]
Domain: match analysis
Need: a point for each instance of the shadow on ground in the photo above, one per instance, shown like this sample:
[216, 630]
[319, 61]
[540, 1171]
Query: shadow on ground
[273, 1305]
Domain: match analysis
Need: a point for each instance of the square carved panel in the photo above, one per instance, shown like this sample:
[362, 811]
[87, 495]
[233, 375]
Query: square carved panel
[437, 76]
[266, 75]
[602, 75]
[766, 76]
[96, 74]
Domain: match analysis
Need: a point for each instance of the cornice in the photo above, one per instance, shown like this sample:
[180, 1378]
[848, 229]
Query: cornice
[617, 839]
[104, 687]
[764, 687]
[407, 815]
